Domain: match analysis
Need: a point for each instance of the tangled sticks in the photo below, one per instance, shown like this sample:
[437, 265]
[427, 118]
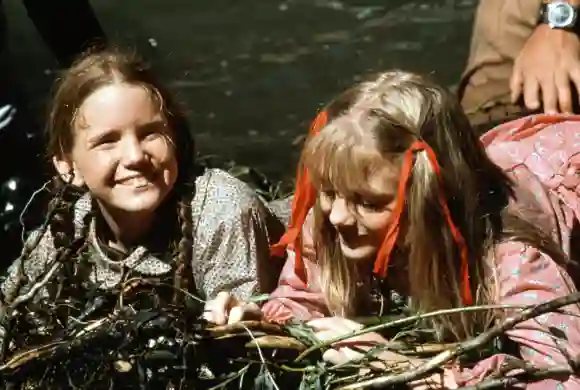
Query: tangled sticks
[135, 339]
[60, 331]
[140, 337]
[96, 341]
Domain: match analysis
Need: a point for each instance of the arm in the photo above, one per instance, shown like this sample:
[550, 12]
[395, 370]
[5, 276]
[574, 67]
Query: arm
[232, 236]
[295, 298]
[545, 68]
[526, 276]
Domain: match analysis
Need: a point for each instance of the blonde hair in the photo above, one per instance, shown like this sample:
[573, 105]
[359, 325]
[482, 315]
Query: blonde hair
[373, 124]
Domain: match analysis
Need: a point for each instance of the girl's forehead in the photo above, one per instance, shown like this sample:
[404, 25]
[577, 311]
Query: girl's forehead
[359, 178]
[346, 158]
[117, 106]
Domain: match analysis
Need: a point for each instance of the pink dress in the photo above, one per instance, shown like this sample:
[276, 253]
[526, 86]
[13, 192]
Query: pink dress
[542, 154]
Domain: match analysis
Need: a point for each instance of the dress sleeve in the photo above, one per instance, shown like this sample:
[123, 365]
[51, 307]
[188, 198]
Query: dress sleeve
[295, 299]
[526, 276]
[232, 233]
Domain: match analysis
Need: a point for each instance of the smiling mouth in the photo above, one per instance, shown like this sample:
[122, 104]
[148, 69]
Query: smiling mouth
[137, 182]
[349, 241]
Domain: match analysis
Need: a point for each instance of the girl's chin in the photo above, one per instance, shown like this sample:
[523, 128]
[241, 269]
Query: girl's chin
[359, 253]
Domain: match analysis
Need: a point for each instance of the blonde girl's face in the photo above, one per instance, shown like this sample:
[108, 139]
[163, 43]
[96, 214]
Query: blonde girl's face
[361, 219]
[122, 149]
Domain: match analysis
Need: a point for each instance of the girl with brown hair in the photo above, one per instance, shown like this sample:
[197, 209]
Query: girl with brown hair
[130, 201]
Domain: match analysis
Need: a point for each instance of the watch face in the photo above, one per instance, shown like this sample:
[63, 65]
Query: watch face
[561, 15]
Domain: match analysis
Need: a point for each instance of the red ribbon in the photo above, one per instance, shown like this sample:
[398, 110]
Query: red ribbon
[305, 198]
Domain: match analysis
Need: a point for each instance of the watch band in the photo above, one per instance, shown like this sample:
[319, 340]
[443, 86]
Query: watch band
[543, 16]
[572, 3]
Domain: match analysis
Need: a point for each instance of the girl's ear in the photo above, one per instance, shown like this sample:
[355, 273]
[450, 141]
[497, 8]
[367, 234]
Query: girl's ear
[67, 170]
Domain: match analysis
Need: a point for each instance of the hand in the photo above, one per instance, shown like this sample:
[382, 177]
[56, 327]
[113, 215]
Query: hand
[549, 62]
[225, 308]
[329, 328]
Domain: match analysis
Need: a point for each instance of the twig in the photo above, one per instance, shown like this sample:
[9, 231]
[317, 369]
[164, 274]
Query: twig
[530, 376]
[403, 321]
[265, 365]
[27, 205]
[6, 301]
[231, 378]
[36, 287]
[469, 345]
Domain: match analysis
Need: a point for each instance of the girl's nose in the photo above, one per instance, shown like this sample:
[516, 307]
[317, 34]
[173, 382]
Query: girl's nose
[133, 152]
[340, 213]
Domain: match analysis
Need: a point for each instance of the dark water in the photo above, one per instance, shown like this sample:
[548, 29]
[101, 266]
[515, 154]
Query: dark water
[253, 73]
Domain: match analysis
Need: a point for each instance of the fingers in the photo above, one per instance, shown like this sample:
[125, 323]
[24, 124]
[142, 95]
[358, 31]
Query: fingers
[337, 324]
[516, 83]
[554, 90]
[326, 335]
[575, 79]
[334, 356]
[248, 311]
[531, 93]
[217, 310]
[564, 95]
[225, 308]
[549, 96]
[341, 356]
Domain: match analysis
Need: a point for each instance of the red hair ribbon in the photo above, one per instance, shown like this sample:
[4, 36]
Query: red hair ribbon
[305, 198]
[384, 254]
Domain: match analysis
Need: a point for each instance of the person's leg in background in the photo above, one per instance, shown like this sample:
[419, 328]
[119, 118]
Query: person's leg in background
[501, 29]
[67, 27]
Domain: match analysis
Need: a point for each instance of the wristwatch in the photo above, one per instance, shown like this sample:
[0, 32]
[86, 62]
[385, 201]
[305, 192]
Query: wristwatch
[560, 14]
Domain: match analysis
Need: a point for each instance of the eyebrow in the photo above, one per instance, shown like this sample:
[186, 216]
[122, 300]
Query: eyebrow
[376, 196]
[102, 134]
[153, 123]
[107, 132]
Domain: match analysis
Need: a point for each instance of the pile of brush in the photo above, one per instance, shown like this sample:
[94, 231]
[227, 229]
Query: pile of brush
[146, 345]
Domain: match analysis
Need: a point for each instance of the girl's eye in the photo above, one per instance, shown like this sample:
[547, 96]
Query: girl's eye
[151, 134]
[328, 194]
[373, 206]
[153, 130]
[106, 140]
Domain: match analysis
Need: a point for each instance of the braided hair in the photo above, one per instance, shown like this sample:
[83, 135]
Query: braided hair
[93, 70]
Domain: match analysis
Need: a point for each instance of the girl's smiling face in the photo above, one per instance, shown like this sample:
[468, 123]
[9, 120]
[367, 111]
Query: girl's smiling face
[122, 150]
[361, 220]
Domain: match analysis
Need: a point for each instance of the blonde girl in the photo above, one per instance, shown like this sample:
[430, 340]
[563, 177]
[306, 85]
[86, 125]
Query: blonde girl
[395, 192]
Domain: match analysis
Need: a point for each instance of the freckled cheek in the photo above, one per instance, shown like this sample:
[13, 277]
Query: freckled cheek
[96, 165]
[377, 223]
[162, 151]
[325, 205]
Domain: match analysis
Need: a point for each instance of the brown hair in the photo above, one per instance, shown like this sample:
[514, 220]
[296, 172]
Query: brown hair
[374, 123]
[90, 72]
